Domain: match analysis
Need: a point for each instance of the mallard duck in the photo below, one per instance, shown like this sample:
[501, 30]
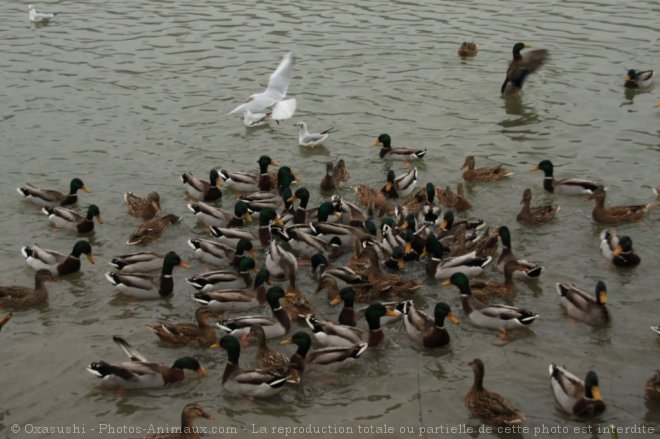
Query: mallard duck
[295, 303]
[305, 138]
[347, 234]
[139, 262]
[300, 211]
[219, 254]
[419, 199]
[576, 397]
[145, 208]
[304, 244]
[491, 407]
[618, 249]
[225, 279]
[368, 196]
[499, 317]
[454, 200]
[451, 227]
[68, 219]
[580, 305]
[276, 325]
[482, 174]
[387, 283]
[329, 355]
[470, 264]
[236, 299]
[468, 49]
[388, 152]
[270, 360]
[143, 286]
[350, 213]
[616, 214]
[4, 319]
[16, 296]
[56, 262]
[652, 388]
[263, 200]
[567, 186]
[203, 190]
[201, 334]
[656, 329]
[531, 269]
[487, 289]
[335, 175]
[139, 373]
[535, 215]
[152, 229]
[429, 331]
[638, 78]
[521, 66]
[253, 383]
[188, 431]
[247, 182]
[400, 186]
[345, 274]
[278, 260]
[347, 315]
[50, 197]
[212, 216]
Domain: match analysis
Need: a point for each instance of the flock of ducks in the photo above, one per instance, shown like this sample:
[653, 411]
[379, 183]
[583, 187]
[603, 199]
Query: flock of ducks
[385, 229]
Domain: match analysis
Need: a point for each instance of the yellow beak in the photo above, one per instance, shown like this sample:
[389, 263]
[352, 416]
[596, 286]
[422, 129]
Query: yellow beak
[375, 143]
[401, 264]
[618, 250]
[202, 372]
[99, 218]
[287, 341]
[392, 313]
[602, 297]
[446, 282]
[335, 301]
[596, 393]
[452, 318]
[535, 168]
[184, 264]
[85, 189]
[90, 258]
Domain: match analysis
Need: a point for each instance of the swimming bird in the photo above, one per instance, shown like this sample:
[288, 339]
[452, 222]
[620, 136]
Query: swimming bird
[203, 190]
[388, 152]
[580, 305]
[427, 330]
[618, 249]
[329, 355]
[566, 186]
[616, 214]
[482, 174]
[145, 208]
[39, 17]
[468, 49]
[537, 214]
[638, 78]
[55, 262]
[152, 229]
[16, 296]
[305, 138]
[200, 334]
[51, 197]
[138, 262]
[72, 220]
[520, 66]
[188, 431]
[273, 96]
[574, 396]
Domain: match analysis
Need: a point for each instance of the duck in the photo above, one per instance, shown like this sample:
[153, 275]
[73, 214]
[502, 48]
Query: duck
[152, 229]
[268, 359]
[69, 219]
[335, 175]
[300, 211]
[140, 373]
[56, 262]
[566, 186]
[347, 315]
[388, 152]
[470, 264]
[276, 325]
[143, 286]
[468, 49]
[619, 250]
[305, 138]
[456, 201]
[580, 305]
[203, 190]
[201, 334]
[427, 330]
[381, 283]
[320, 262]
[521, 66]
[499, 317]
[304, 243]
[491, 407]
[4, 319]
[138, 262]
[350, 213]
[419, 199]
[370, 197]
[390, 188]
[236, 299]
[260, 200]
[212, 216]
[16, 296]
[323, 356]
[278, 260]
[225, 279]
[652, 388]
[51, 197]
[261, 237]
[219, 254]
[285, 178]
[145, 208]
[535, 215]
[616, 214]
[482, 174]
[487, 289]
[188, 430]
[531, 269]
[247, 182]
[576, 397]
[295, 303]
[406, 182]
[638, 78]
[252, 383]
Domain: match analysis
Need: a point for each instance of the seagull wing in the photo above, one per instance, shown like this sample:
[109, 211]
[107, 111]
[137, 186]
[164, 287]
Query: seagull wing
[278, 83]
[284, 109]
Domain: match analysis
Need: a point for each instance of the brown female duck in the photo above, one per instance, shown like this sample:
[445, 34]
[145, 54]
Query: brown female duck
[145, 208]
[616, 214]
[201, 334]
[188, 431]
[482, 174]
[16, 296]
[151, 230]
[535, 215]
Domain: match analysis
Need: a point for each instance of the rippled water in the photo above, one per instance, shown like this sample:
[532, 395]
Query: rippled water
[128, 95]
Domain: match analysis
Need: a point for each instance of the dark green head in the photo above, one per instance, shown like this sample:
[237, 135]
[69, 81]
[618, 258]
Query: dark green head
[397, 255]
[76, 185]
[318, 260]
[447, 220]
[626, 244]
[214, 177]
[441, 312]
[303, 195]
[189, 363]
[461, 281]
[287, 196]
[387, 221]
[285, 177]
[243, 245]
[81, 247]
[518, 47]
[409, 222]
[391, 176]
[246, 264]
[384, 140]
[303, 341]
[325, 210]
[601, 293]
[273, 296]
[430, 192]
[632, 74]
[93, 211]
[262, 277]
[172, 260]
[409, 236]
[241, 209]
[434, 247]
[370, 227]
[374, 312]
[230, 344]
[347, 296]
[266, 215]
[264, 162]
[505, 236]
[545, 166]
[591, 386]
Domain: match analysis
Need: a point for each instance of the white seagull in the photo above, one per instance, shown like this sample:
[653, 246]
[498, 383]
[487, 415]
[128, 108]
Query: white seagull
[274, 95]
[256, 119]
[39, 17]
[306, 138]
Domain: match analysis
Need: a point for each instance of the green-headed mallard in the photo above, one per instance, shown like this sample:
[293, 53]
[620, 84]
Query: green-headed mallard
[239, 277]
[152, 229]
[305, 138]
[589, 308]
[652, 388]
[4, 319]
[616, 214]
[16, 296]
[617, 249]
[247, 182]
[219, 254]
[300, 211]
[143, 286]
[406, 182]
[270, 360]
[56, 262]
[576, 397]
[212, 216]
[499, 317]
[263, 200]
[145, 208]
[531, 269]
[427, 330]
[567, 186]
[638, 78]
[441, 268]
[350, 213]
[138, 262]
[201, 334]
[188, 431]
[468, 49]
[50, 197]
[491, 407]
[390, 188]
[454, 200]
[236, 299]
[203, 190]
[252, 383]
[139, 373]
[329, 355]
[388, 152]
[535, 215]
[482, 174]
[347, 315]
[68, 219]
[521, 66]
[422, 198]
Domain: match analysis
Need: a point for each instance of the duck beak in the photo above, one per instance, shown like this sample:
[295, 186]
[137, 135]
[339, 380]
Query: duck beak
[443, 225]
[392, 313]
[291, 199]
[405, 225]
[156, 205]
[207, 416]
[407, 248]
[90, 258]
[287, 341]
[184, 264]
[256, 270]
[215, 345]
[452, 318]
[627, 77]
[274, 163]
[202, 372]
[99, 218]
[602, 297]
[535, 168]
[388, 186]
[247, 217]
[85, 189]
[596, 393]
[253, 253]
[375, 142]
[278, 221]
[401, 264]
[290, 295]
[618, 250]
[446, 282]
[527, 46]
[657, 104]
[424, 254]
[335, 301]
